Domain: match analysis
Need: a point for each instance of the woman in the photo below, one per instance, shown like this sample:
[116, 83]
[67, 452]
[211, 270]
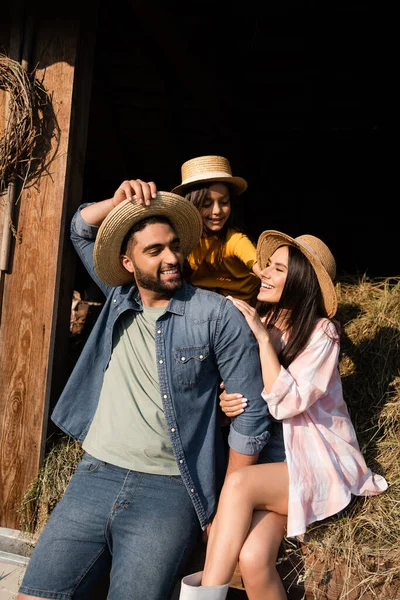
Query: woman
[299, 352]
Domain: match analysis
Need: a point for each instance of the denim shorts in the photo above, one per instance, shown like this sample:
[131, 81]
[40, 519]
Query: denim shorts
[116, 531]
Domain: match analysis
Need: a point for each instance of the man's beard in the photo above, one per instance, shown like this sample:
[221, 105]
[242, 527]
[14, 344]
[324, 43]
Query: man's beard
[149, 282]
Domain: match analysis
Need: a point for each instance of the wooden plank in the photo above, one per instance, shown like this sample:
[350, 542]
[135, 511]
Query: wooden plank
[3, 198]
[11, 40]
[31, 294]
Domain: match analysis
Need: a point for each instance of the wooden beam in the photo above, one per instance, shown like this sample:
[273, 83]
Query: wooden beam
[33, 292]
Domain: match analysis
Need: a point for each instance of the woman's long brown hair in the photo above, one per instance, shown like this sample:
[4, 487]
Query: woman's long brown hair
[302, 298]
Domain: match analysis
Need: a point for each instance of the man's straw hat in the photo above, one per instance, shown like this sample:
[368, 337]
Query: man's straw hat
[315, 250]
[184, 217]
[205, 169]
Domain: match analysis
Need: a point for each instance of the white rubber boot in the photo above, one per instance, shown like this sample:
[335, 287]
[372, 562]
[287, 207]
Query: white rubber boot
[191, 589]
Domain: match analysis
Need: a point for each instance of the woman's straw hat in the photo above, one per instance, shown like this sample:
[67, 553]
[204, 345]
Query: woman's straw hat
[315, 250]
[208, 169]
[184, 216]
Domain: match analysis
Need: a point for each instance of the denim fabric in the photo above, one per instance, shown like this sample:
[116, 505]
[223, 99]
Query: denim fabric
[201, 339]
[274, 451]
[146, 523]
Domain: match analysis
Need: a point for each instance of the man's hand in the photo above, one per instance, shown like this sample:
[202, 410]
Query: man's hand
[135, 189]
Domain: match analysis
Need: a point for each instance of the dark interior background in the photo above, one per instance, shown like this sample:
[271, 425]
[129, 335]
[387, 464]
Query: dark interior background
[298, 96]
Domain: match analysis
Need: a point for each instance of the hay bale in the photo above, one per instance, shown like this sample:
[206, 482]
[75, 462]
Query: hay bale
[358, 556]
[48, 487]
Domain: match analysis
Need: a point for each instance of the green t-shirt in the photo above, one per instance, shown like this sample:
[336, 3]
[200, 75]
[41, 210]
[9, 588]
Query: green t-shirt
[129, 428]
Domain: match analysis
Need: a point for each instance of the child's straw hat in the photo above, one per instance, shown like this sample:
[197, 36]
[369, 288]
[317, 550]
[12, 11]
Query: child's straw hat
[208, 169]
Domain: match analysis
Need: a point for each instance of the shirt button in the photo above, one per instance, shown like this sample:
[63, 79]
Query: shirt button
[165, 396]
[201, 356]
[192, 491]
[183, 358]
[159, 331]
[181, 461]
[114, 300]
[173, 429]
[161, 362]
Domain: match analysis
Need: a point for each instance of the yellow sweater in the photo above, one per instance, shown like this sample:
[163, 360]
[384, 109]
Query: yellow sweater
[234, 276]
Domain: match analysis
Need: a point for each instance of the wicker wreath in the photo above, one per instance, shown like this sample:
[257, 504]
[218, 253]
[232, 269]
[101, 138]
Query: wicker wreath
[26, 148]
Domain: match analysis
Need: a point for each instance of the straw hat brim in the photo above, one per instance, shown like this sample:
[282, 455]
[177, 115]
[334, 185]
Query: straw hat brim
[184, 217]
[271, 240]
[238, 183]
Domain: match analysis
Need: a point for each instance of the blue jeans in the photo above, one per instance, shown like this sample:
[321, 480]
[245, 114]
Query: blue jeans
[129, 530]
[274, 450]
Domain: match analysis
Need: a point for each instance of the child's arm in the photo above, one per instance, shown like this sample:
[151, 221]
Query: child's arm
[245, 250]
[256, 269]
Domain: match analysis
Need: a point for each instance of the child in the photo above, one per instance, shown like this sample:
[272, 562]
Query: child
[225, 259]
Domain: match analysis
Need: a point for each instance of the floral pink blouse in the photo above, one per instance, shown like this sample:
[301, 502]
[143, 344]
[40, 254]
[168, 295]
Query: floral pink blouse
[324, 459]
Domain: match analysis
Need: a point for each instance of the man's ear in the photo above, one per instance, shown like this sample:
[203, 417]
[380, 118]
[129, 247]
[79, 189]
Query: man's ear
[127, 263]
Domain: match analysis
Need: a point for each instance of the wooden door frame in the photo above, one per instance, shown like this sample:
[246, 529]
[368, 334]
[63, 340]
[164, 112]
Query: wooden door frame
[37, 288]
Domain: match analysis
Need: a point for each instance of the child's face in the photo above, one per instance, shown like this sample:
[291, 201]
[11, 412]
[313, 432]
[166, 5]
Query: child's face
[216, 207]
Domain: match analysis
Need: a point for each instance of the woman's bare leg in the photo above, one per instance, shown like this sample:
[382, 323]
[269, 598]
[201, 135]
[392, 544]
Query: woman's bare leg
[25, 597]
[257, 559]
[258, 487]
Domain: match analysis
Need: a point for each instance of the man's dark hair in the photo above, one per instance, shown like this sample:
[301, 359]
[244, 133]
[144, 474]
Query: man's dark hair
[140, 225]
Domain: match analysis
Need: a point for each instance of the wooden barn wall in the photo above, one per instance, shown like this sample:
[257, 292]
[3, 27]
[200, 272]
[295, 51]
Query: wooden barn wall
[37, 288]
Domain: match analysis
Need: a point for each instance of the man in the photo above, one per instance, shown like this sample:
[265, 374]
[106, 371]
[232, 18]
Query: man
[143, 400]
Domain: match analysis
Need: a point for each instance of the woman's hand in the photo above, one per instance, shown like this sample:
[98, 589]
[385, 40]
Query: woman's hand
[142, 191]
[252, 317]
[231, 404]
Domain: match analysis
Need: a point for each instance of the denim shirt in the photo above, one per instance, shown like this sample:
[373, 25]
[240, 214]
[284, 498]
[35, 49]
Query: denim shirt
[201, 339]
